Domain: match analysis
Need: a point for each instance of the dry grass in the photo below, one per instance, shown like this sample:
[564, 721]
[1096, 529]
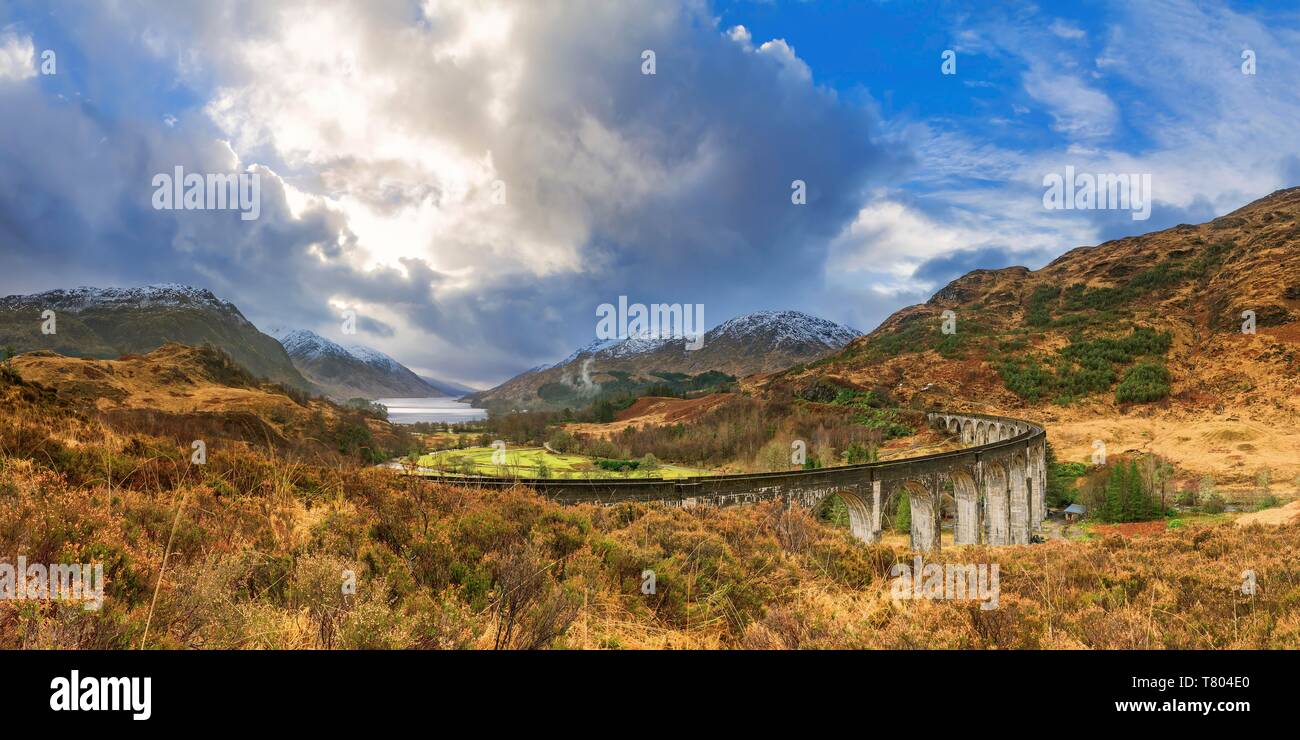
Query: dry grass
[264, 543]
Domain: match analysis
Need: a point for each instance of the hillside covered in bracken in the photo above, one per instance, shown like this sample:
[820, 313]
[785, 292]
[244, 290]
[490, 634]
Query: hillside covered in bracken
[258, 540]
[199, 393]
[1138, 342]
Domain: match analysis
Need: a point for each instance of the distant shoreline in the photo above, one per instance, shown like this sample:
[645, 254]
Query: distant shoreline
[430, 409]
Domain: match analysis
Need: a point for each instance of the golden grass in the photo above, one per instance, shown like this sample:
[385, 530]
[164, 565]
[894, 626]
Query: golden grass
[265, 542]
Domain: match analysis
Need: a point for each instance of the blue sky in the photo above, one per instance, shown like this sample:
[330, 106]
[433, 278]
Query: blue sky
[380, 130]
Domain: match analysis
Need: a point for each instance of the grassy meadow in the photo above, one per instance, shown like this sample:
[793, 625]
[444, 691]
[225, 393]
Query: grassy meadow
[538, 462]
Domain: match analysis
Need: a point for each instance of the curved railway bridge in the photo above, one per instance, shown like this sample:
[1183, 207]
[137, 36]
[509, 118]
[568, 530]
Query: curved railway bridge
[996, 482]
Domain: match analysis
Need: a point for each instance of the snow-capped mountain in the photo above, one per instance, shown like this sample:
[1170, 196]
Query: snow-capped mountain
[610, 348]
[776, 329]
[110, 322]
[786, 328]
[373, 357]
[771, 331]
[763, 341]
[304, 343]
[354, 371]
[76, 300]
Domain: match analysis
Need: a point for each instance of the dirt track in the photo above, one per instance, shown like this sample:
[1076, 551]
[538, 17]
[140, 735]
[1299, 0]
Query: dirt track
[1279, 515]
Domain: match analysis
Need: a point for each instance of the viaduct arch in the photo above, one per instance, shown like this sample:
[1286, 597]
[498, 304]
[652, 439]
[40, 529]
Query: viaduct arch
[998, 482]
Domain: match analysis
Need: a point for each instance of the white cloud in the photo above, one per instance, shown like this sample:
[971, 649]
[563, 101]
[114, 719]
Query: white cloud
[783, 53]
[740, 35]
[776, 49]
[1078, 110]
[17, 56]
[1066, 30]
[403, 137]
[890, 239]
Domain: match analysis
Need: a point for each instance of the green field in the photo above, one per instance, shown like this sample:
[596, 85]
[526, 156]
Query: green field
[537, 462]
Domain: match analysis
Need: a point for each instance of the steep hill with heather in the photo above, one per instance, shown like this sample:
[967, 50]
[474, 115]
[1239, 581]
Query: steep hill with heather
[1138, 342]
[189, 393]
[758, 342]
[105, 323]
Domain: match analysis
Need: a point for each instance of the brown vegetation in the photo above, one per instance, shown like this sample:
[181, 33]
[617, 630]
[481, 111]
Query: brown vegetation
[186, 393]
[264, 543]
[728, 432]
[655, 411]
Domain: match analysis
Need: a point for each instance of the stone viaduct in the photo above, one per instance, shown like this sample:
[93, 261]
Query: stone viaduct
[996, 483]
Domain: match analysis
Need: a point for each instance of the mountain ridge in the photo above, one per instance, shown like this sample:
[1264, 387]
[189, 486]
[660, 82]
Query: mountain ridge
[756, 342]
[105, 323]
[448, 387]
[353, 371]
[1203, 275]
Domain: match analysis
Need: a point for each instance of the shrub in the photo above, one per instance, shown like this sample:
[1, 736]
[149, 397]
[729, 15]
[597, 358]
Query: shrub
[649, 463]
[1214, 504]
[372, 409]
[617, 466]
[1142, 383]
[1267, 502]
[1039, 312]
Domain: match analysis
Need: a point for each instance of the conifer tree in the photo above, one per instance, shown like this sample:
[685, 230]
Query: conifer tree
[1135, 510]
[903, 517]
[1113, 510]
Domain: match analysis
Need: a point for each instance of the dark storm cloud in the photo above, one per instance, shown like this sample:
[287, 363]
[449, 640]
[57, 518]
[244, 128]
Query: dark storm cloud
[943, 270]
[678, 183]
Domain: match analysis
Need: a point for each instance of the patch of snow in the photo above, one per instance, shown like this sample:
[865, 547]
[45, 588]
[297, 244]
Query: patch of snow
[374, 357]
[774, 329]
[785, 327]
[307, 344]
[304, 343]
[80, 299]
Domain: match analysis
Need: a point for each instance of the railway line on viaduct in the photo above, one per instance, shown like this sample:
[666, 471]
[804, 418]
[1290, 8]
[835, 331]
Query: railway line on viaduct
[997, 482]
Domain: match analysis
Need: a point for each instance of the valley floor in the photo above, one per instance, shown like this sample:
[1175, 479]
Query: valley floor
[538, 462]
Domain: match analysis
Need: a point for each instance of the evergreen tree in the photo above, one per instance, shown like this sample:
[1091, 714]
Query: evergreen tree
[1133, 509]
[903, 516]
[603, 411]
[1113, 511]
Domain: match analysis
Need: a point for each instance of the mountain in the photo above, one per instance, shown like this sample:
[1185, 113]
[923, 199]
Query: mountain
[448, 387]
[758, 342]
[351, 372]
[1138, 342]
[109, 322]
